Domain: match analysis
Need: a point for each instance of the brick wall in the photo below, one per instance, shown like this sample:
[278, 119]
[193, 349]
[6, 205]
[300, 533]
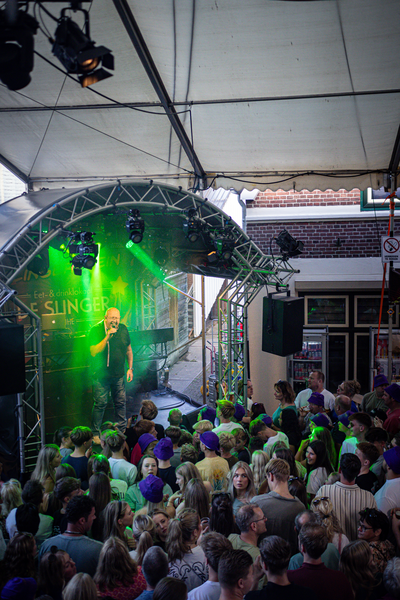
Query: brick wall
[359, 239]
[280, 198]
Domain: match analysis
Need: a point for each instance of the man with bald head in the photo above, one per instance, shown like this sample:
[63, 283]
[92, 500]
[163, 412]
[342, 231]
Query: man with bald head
[110, 346]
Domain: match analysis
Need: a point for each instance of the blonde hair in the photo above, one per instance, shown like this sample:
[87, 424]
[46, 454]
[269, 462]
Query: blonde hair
[324, 507]
[226, 408]
[43, 470]
[10, 496]
[259, 461]
[188, 471]
[114, 511]
[144, 530]
[226, 441]
[202, 426]
[81, 587]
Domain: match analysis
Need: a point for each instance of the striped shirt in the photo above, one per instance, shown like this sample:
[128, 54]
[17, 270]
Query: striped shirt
[347, 502]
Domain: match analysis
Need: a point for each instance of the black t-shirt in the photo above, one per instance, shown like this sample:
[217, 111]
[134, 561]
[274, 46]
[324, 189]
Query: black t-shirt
[110, 362]
[367, 481]
[168, 476]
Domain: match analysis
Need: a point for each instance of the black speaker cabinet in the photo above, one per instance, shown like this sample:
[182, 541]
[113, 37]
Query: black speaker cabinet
[12, 360]
[283, 320]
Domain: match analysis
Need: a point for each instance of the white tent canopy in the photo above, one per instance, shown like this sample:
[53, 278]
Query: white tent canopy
[262, 94]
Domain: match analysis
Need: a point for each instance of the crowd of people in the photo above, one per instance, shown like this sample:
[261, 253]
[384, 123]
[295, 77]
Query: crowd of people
[302, 503]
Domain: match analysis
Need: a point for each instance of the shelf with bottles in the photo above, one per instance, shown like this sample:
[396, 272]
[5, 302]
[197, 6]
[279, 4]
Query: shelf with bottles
[303, 368]
[309, 351]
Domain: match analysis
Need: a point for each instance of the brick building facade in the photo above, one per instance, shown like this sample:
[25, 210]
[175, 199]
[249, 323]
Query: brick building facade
[341, 260]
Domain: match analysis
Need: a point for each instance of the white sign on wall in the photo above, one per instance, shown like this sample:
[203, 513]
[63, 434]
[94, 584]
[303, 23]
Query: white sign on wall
[390, 249]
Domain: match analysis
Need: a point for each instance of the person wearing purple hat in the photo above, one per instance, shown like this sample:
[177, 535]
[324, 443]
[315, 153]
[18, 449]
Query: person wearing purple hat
[315, 406]
[19, 588]
[152, 491]
[213, 468]
[374, 399]
[225, 412]
[319, 420]
[119, 466]
[388, 496]
[316, 383]
[164, 451]
[207, 413]
[391, 398]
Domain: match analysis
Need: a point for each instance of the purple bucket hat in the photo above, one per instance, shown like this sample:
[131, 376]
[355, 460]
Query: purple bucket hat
[152, 488]
[145, 440]
[210, 440]
[164, 449]
[317, 399]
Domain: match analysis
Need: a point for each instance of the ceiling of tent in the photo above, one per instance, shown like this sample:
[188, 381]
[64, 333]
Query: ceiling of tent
[263, 93]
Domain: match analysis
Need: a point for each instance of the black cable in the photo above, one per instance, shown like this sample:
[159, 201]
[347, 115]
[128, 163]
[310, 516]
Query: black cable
[98, 130]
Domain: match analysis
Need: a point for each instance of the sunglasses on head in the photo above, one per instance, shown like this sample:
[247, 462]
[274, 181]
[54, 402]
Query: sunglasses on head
[316, 501]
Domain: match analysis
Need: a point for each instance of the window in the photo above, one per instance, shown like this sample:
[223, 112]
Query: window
[326, 310]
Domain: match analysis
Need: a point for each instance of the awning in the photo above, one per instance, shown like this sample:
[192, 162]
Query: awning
[263, 93]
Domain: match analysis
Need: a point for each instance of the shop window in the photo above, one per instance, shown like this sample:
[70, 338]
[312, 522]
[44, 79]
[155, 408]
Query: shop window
[327, 310]
[366, 311]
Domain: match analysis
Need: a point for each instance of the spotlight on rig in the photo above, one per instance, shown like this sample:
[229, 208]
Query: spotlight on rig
[192, 226]
[78, 53]
[224, 247]
[135, 226]
[16, 48]
[288, 245]
[161, 256]
[83, 251]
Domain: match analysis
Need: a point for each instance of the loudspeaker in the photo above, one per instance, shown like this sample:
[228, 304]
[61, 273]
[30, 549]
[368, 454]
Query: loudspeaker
[12, 359]
[283, 320]
[190, 419]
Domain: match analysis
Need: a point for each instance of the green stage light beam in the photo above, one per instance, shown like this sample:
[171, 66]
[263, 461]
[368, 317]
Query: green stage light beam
[148, 262]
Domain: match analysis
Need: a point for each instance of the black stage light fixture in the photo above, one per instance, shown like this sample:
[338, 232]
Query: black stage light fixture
[16, 49]
[83, 251]
[135, 226]
[161, 256]
[288, 245]
[224, 247]
[78, 53]
[192, 226]
[40, 263]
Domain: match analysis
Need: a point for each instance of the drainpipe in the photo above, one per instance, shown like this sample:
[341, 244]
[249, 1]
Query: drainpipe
[243, 205]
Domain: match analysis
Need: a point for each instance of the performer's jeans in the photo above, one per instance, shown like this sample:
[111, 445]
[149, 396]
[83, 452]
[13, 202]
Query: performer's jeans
[101, 388]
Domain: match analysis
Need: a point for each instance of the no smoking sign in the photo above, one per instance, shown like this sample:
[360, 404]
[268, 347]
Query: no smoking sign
[390, 249]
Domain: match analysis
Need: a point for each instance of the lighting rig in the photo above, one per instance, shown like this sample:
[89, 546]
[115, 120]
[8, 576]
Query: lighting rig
[82, 250]
[71, 44]
[288, 245]
[135, 226]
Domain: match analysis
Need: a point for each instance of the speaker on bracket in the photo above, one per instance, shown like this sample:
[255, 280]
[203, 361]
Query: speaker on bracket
[283, 320]
[12, 359]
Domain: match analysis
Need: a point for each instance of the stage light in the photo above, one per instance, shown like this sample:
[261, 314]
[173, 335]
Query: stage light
[192, 226]
[224, 247]
[78, 53]
[135, 226]
[288, 245]
[16, 49]
[83, 251]
[40, 263]
[212, 257]
[161, 256]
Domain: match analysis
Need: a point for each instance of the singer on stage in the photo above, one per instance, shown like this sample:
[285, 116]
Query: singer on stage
[110, 344]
